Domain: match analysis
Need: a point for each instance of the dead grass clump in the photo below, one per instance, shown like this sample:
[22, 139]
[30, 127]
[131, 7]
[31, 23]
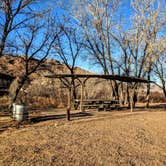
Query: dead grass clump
[155, 97]
[43, 102]
[4, 101]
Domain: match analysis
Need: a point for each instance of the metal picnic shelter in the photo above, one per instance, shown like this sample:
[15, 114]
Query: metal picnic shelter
[82, 79]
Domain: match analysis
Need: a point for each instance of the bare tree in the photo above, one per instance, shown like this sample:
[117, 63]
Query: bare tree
[139, 43]
[160, 72]
[13, 15]
[149, 21]
[35, 48]
[96, 20]
[68, 50]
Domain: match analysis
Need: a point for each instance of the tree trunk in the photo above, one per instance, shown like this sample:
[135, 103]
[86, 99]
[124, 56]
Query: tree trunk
[68, 104]
[4, 37]
[164, 87]
[131, 100]
[148, 88]
[82, 97]
[121, 94]
[135, 97]
[115, 90]
[128, 96]
[74, 94]
[15, 88]
[164, 91]
[132, 91]
[147, 95]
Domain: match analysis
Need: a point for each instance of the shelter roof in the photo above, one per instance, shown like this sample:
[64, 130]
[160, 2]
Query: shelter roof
[108, 77]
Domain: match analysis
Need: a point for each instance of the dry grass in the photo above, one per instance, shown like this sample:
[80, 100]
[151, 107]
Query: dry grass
[118, 139]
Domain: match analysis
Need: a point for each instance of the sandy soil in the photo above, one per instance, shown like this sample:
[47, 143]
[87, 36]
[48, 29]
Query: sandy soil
[128, 139]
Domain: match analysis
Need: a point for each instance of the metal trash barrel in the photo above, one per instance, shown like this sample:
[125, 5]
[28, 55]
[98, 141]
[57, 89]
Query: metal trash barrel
[21, 113]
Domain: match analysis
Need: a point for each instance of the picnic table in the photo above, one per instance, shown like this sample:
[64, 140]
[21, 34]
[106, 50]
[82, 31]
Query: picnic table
[99, 104]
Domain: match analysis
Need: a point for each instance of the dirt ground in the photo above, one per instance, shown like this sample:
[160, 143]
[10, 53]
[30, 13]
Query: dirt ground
[102, 138]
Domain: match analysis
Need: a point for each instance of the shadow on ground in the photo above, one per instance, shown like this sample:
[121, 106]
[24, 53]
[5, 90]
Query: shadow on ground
[61, 116]
[5, 112]
[161, 106]
[13, 124]
[158, 106]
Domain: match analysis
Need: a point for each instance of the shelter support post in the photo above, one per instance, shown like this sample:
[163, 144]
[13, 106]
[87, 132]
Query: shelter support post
[82, 97]
[132, 91]
[131, 100]
[68, 104]
[82, 83]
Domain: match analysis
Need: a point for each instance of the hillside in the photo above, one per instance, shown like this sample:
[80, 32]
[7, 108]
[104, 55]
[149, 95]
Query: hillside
[49, 92]
[14, 65]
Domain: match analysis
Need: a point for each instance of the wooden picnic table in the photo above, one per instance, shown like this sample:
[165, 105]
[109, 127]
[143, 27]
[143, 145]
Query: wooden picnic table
[99, 104]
